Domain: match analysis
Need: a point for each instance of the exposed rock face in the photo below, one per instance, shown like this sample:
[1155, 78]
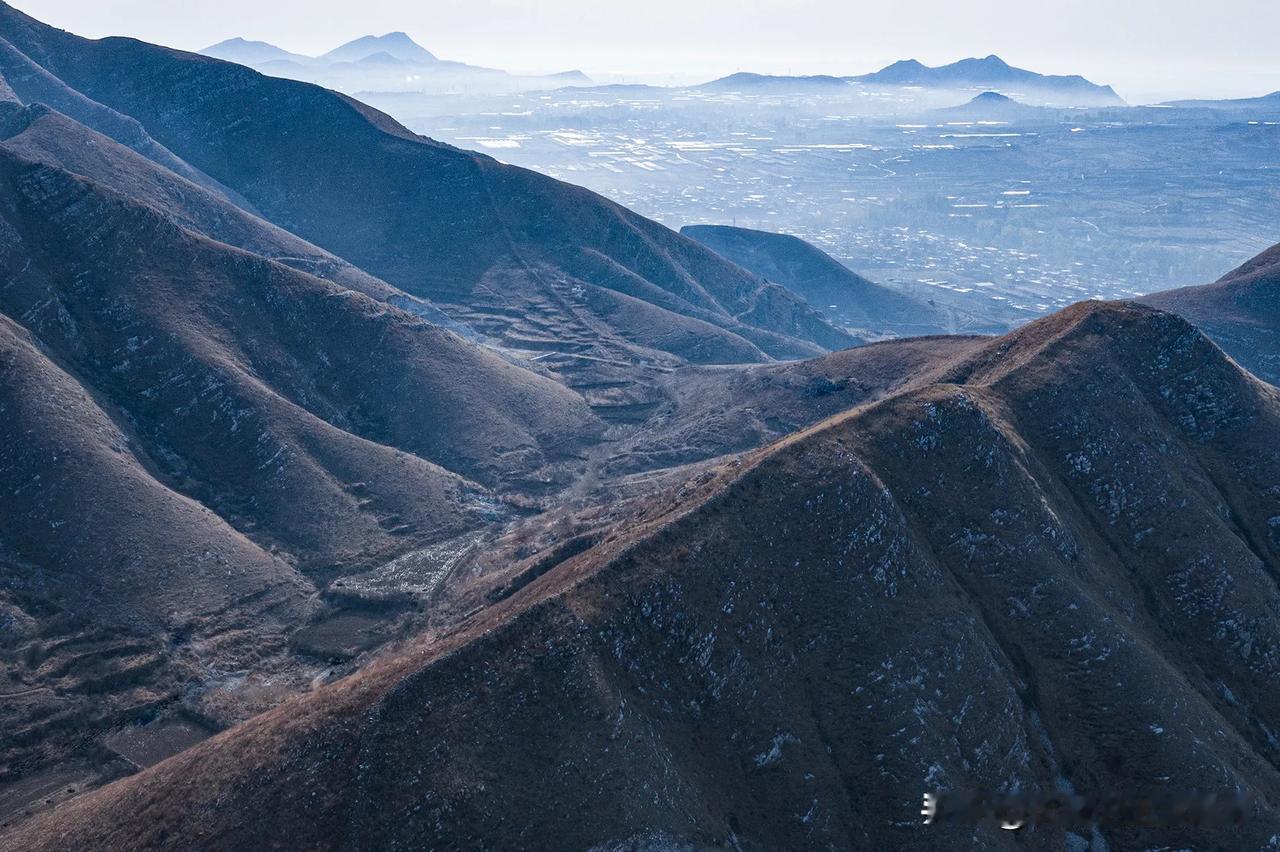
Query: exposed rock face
[1054, 568]
[1240, 312]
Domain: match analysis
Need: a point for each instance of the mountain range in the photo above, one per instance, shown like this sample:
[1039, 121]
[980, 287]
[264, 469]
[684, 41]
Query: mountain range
[357, 490]
[389, 63]
[989, 73]
[993, 73]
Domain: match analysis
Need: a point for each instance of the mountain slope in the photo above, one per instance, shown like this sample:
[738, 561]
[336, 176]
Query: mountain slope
[118, 593]
[1240, 312]
[27, 82]
[1266, 103]
[244, 418]
[78, 488]
[509, 251]
[40, 134]
[999, 579]
[197, 439]
[829, 286]
[198, 340]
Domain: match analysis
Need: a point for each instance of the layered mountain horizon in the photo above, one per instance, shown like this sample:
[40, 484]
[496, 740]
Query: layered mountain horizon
[387, 63]
[991, 73]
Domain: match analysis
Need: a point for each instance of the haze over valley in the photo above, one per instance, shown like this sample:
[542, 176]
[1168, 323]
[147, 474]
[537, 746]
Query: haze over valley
[1007, 214]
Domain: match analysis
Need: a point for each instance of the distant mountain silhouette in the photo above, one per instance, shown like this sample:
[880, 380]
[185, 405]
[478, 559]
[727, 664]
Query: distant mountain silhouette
[994, 106]
[1270, 103]
[390, 63]
[828, 285]
[1240, 312]
[990, 72]
[397, 44]
[746, 81]
[251, 52]
[994, 73]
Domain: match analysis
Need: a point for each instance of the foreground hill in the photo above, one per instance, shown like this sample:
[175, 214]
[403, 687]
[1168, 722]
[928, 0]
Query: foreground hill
[1241, 312]
[1000, 579]
[845, 297]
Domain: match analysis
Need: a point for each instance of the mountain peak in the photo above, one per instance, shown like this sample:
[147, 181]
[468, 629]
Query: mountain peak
[249, 52]
[397, 44]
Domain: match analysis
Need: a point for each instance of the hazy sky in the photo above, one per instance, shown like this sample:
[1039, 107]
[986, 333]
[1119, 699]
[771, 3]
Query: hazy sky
[1148, 49]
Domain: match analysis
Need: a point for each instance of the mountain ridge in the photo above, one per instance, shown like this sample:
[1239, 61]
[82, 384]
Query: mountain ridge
[710, 644]
[864, 307]
[1240, 312]
[991, 72]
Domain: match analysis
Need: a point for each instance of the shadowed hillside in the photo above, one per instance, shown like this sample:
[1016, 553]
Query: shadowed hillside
[189, 428]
